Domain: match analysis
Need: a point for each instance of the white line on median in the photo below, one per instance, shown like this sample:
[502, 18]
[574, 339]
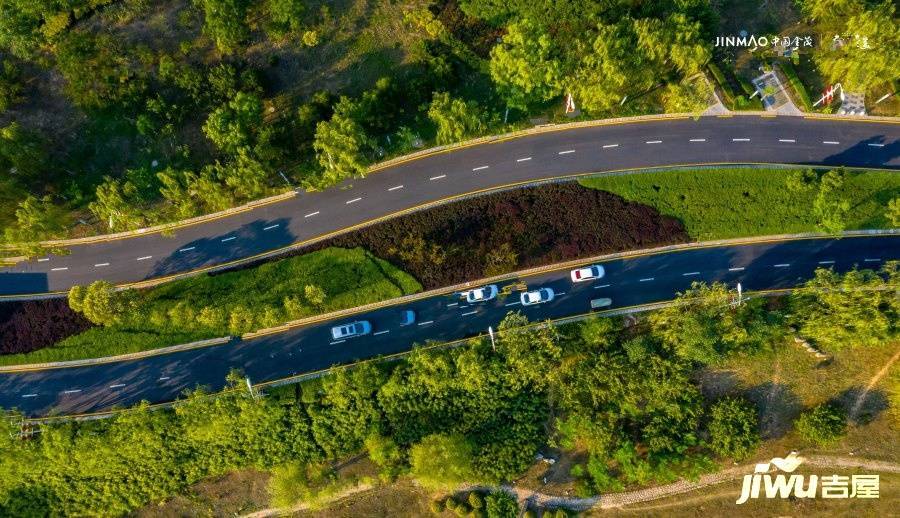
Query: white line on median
[698, 140]
[98, 265]
[527, 158]
[311, 214]
[690, 273]
[566, 152]
[382, 332]
[425, 323]
[433, 178]
[654, 142]
[232, 238]
[736, 269]
[270, 227]
[188, 249]
[354, 200]
[469, 313]
[610, 145]
[647, 279]
[144, 258]
[394, 188]
[479, 168]
[59, 269]
[788, 140]
[875, 145]
[833, 142]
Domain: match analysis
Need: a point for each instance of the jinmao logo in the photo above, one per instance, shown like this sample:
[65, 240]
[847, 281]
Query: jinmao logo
[801, 486]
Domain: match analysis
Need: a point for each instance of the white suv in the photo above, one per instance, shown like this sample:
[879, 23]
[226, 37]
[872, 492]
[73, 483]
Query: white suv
[359, 328]
[539, 296]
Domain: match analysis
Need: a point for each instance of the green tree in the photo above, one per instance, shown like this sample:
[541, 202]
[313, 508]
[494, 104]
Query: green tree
[440, 460]
[858, 308]
[97, 70]
[23, 155]
[893, 212]
[235, 124]
[687, 97]
[245, 176]
[823, 424]
[314, 295]
[10, 85]
[176, 190]
[501, 504]
[733, 428]
[101, 303]
[455, 119]
[676, 40]
[118, 206]
[225, 22]
[829, 206]
[339, 144]
[871, 57]
[285, 17]
[531, 352]
[385, 453]
[36, 220]
[526, 66]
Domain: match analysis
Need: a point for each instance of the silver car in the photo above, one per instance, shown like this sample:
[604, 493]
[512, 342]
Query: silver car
[539, 296]
[358, 328]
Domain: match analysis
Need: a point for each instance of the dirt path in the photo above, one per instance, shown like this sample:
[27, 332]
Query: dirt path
[617, 500]
[875, 379]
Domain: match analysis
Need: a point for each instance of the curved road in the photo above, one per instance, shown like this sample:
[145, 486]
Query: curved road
[628, 282]
[739, 139]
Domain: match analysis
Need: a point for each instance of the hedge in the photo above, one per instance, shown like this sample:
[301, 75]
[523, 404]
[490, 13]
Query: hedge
[794, 80]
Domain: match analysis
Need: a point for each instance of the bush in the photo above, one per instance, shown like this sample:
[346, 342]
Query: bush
[32, 325]
[475, 500]
[733, 428]
[510, 230]
[823, 424]
[794, 80]
[501, 505]
[724, 86]
[437, 506]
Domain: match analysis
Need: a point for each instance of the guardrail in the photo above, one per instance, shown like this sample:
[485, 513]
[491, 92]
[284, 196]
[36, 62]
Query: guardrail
[536, 130]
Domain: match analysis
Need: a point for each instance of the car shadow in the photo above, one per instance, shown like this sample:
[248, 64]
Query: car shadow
[249, 240]
[18, 283]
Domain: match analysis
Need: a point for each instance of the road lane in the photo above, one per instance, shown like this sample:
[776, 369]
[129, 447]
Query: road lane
[448, 317]
[791, 140]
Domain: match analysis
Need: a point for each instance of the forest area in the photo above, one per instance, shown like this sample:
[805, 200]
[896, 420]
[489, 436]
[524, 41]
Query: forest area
[116, 115]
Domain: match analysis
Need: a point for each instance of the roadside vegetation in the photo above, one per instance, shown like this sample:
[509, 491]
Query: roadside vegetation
[726, 203]
[627, 402]
[230, 303]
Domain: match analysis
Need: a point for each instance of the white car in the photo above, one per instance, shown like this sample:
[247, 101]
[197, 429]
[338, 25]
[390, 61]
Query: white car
[482, 294]
[539, 296]
[588, 273]
[358, 328]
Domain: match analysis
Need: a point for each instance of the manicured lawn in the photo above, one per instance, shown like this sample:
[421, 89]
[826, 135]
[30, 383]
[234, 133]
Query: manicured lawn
[725, 203]
[349, 278]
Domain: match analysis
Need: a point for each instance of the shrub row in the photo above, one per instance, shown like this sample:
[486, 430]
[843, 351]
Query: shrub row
[794, 80]
[506, 231]
[27, 326]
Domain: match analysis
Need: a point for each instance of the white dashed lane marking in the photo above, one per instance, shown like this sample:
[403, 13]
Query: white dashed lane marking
[394, 188]
[479, 168]
[144, 258]
[601, 286]
[163, 378]
[698, 140]
[610, 145]
[740, 140]
[875, 145]
[832, 142]
[871, 260]
[513, 304]
[527, 158]
[736, 269]
[270, 227]
[59, 269]
[29, 395]
[826, 262]
[73, 391]
[354, 200]
[425, 323]
[788, 140]
[566, 152]
[311, 214]
[43, 259]
[117, 385]
[782, 265]
[338, 342]
[648, 279]
[99, 265]
[690, 274]
[468, 313]
[433, 178]
[188, 249]
[654, 142]
[227, 239]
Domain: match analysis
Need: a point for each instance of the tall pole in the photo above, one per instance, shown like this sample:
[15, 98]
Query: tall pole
[740, 293]
[493, 343]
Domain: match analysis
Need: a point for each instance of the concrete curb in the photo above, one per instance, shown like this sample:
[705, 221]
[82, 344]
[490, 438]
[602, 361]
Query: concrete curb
[545, 128]
[110, 359]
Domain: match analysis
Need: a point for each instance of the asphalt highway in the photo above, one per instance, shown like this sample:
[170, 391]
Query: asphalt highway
[631, 281]
[740, 139]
